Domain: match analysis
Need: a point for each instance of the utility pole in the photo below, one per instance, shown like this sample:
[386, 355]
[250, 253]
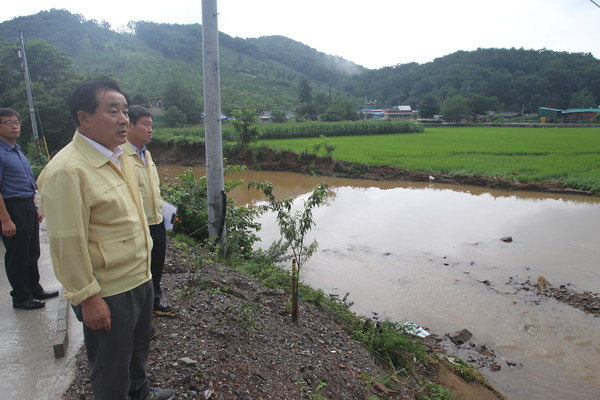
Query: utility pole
[215, 181]
[32, 116]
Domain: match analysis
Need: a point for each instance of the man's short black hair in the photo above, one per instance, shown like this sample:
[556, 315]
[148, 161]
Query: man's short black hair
[84, 98]
[137, 112]
[9, 112]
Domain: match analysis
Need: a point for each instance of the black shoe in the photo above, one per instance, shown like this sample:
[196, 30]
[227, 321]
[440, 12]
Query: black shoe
[163, 309]
[45, 294]
[160, 394]
[31, 304]
[153, 333]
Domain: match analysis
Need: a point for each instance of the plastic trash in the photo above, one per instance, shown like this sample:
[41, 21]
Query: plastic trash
[412, 329]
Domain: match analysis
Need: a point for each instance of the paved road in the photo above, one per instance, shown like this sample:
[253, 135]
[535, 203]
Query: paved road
[29, 369]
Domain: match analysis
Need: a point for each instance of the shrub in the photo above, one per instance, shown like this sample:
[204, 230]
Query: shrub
[189, 195]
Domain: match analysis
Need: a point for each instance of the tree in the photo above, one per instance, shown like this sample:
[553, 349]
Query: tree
[174, 117]
[304, 92]
[323, 143]
[308, 111]
[243, 124]
[429, 106]
[340, 110]
[481, 104]
[278, 116]
[455, 108]
[139, 99]
[52, 79]
[177, 95]
[583, 99]
[294, 226]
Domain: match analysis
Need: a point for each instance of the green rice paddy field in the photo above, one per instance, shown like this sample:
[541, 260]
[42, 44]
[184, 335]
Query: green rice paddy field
[570, 155]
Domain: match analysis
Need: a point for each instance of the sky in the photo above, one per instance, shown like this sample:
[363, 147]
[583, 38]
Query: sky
[373, 34]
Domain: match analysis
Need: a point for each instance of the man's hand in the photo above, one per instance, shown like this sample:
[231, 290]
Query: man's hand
[96, 314]
[9, 229]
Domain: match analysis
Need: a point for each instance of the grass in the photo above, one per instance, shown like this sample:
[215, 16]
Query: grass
[570, 155]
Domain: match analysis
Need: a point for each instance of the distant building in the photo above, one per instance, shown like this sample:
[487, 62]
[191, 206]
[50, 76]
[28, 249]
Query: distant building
[568, 116]
[574, 115]
[267, 116]
[372, 113]
[389, 114]
[399, 112]
[158, 114]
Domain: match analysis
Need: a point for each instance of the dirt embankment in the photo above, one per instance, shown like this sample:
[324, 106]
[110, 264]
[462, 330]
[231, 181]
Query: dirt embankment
[271, 160]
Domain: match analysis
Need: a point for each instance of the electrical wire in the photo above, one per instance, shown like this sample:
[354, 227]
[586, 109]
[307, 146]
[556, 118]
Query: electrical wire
[596, 4]
[41, 136]
[9, 50]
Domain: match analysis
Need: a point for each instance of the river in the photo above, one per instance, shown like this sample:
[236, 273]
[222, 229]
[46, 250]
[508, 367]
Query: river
[432, 254]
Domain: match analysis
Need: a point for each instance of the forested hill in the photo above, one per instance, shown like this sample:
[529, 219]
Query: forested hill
[255, 73]
[516, 77]
[151, 59]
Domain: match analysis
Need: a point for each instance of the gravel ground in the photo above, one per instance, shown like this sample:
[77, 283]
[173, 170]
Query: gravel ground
[233, 338]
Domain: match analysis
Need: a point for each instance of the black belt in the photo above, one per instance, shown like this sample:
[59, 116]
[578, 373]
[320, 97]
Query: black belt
[18, 199]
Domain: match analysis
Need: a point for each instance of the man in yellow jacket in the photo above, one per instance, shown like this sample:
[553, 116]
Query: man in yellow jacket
[100, 244]
[138, 135]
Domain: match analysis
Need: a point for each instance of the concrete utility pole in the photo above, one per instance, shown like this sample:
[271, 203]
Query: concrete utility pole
[212, 121]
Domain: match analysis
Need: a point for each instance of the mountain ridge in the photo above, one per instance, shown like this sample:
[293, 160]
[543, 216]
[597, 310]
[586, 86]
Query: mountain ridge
[264, 73]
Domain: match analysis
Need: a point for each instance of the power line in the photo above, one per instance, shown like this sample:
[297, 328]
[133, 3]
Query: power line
[596, 4]
[8, 51]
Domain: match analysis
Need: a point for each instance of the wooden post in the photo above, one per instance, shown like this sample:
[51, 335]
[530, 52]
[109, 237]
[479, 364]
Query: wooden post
[212, 121]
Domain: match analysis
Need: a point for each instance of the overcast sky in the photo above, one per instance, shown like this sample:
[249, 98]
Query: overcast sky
[373, 34]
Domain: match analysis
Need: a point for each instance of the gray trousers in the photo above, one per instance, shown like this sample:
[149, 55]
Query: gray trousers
[117, 358]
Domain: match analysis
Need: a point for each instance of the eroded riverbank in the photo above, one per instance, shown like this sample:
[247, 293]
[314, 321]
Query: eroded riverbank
[270, 160]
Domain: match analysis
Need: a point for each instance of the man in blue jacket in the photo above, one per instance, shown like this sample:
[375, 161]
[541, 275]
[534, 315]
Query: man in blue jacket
[19, 218]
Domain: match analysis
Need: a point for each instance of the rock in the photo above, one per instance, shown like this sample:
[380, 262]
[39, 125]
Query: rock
[542, 284]
[187, 361]
[461, 337]
[507, 239]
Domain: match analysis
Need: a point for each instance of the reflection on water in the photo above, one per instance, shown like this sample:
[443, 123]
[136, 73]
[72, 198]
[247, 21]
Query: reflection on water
[420, 252]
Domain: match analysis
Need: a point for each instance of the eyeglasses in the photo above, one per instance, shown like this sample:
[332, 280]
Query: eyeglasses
[12, 123]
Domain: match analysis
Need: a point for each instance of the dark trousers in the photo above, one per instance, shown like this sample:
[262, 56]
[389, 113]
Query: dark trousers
[117, 358]
[23, 250]
[157, 257]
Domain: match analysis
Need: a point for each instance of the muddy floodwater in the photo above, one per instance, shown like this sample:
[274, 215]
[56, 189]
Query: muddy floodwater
[432, 254]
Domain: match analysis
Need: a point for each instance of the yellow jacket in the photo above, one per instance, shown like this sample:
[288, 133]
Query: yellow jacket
[149, 184]
[98, 233]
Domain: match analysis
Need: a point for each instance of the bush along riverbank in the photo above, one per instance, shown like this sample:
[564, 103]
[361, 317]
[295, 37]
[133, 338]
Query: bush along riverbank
[232, 337]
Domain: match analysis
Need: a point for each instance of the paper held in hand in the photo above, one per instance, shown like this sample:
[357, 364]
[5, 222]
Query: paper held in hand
[169, 212]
